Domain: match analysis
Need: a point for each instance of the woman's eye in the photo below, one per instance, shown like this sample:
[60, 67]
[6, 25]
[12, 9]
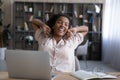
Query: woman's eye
[66, 24]
[59, 22]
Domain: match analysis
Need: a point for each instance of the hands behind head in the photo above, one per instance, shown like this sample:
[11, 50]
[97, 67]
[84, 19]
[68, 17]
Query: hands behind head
[37, 23]
[71, 32]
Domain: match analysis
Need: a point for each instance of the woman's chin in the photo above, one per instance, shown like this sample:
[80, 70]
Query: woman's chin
[61, 35]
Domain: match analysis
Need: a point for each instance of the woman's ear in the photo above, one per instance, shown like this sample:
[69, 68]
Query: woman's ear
[70, 26]
[53, 27]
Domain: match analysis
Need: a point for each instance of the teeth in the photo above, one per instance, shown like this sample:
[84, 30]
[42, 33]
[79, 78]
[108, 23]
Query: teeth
[61, 29]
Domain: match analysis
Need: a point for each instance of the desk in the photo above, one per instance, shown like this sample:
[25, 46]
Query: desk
[61, 76]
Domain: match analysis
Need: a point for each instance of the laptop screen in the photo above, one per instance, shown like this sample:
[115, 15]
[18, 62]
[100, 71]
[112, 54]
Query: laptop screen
[28, 64]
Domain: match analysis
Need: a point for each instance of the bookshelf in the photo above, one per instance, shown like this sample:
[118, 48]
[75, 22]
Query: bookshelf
[80, 14]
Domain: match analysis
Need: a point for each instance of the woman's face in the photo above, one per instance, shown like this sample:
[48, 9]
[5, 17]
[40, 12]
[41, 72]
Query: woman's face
[61, 26]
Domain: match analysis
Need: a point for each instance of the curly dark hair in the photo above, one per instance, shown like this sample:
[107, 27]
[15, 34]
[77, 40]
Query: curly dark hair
[51, 22]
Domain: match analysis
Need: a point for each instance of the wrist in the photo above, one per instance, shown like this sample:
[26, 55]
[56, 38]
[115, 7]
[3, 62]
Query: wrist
[76, 28]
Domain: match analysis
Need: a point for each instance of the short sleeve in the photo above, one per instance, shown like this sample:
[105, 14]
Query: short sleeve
[77, 39]
[38, 34]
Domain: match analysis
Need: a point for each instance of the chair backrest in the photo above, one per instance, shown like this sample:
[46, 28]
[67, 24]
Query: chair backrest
[77, 64]
[82, 49]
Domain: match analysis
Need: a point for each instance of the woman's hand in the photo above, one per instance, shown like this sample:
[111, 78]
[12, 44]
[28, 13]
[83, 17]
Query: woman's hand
[71, 32]
[37, 23]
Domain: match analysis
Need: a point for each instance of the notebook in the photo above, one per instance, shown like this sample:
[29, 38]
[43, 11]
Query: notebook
[88, 75]
[28, 64]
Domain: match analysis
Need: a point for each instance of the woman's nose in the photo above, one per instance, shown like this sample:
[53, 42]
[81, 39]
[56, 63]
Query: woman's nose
[63, 24]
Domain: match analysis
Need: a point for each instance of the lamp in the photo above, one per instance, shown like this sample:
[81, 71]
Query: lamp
[6, 34]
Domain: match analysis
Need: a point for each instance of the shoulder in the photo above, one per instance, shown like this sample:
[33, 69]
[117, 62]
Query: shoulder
[78, 36]
[39, 34]
[76, 39]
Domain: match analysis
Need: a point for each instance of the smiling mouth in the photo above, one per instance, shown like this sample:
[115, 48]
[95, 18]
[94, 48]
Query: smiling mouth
[61, 30]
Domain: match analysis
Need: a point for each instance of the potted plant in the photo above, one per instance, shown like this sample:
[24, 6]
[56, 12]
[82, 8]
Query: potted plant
[1, 28]
[5, 34]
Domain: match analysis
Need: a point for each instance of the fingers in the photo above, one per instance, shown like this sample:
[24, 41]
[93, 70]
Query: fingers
[69, 34]
[72, 31]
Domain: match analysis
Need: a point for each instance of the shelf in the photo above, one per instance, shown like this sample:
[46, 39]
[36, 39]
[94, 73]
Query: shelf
[93, 32]
[23, 31]
[79, 13]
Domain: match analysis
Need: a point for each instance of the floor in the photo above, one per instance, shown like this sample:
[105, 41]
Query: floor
[96, 65]
[91, 66]
[3, 66]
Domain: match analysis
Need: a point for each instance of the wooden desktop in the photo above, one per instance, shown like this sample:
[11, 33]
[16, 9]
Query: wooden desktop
[60, 76]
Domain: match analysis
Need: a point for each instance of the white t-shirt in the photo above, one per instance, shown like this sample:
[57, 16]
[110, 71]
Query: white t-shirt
[62, 53]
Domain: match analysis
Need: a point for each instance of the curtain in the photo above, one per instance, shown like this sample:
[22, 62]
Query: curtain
[111, 33]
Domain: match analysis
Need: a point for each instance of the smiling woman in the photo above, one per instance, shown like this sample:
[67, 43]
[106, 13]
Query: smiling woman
[59, 40]
[58, 30]
[60, 27]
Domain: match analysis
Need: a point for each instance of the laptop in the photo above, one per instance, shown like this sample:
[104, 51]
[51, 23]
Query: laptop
[28, 64]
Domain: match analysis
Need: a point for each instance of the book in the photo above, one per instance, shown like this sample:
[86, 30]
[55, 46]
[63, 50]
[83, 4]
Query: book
[75, 13]
[89, 75]
[26, 26]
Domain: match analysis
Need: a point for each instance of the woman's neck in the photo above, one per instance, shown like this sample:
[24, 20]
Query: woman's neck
[57, 38]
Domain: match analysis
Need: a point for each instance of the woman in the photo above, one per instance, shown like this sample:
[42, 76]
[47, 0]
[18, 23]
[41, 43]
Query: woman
[59, 40]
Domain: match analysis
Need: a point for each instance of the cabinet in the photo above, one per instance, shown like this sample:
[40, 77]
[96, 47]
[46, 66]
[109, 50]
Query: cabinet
[94, 23]
[23, 33]
[80, 14]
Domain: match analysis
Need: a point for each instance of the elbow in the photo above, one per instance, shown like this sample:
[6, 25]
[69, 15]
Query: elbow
[36, 22]
[87, 29]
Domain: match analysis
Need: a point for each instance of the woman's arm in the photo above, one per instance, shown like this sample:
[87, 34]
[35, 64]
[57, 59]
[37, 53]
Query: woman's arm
[81, 29]
[38, 24]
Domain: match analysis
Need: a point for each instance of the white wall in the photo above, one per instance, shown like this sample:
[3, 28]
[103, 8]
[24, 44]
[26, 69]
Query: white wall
[111, 33]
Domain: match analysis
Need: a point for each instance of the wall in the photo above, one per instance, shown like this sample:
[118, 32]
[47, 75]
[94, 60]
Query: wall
[6, 7]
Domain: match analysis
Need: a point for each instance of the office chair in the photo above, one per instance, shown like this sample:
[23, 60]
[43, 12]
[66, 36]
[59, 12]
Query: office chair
[82, 50]
[77, 64]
